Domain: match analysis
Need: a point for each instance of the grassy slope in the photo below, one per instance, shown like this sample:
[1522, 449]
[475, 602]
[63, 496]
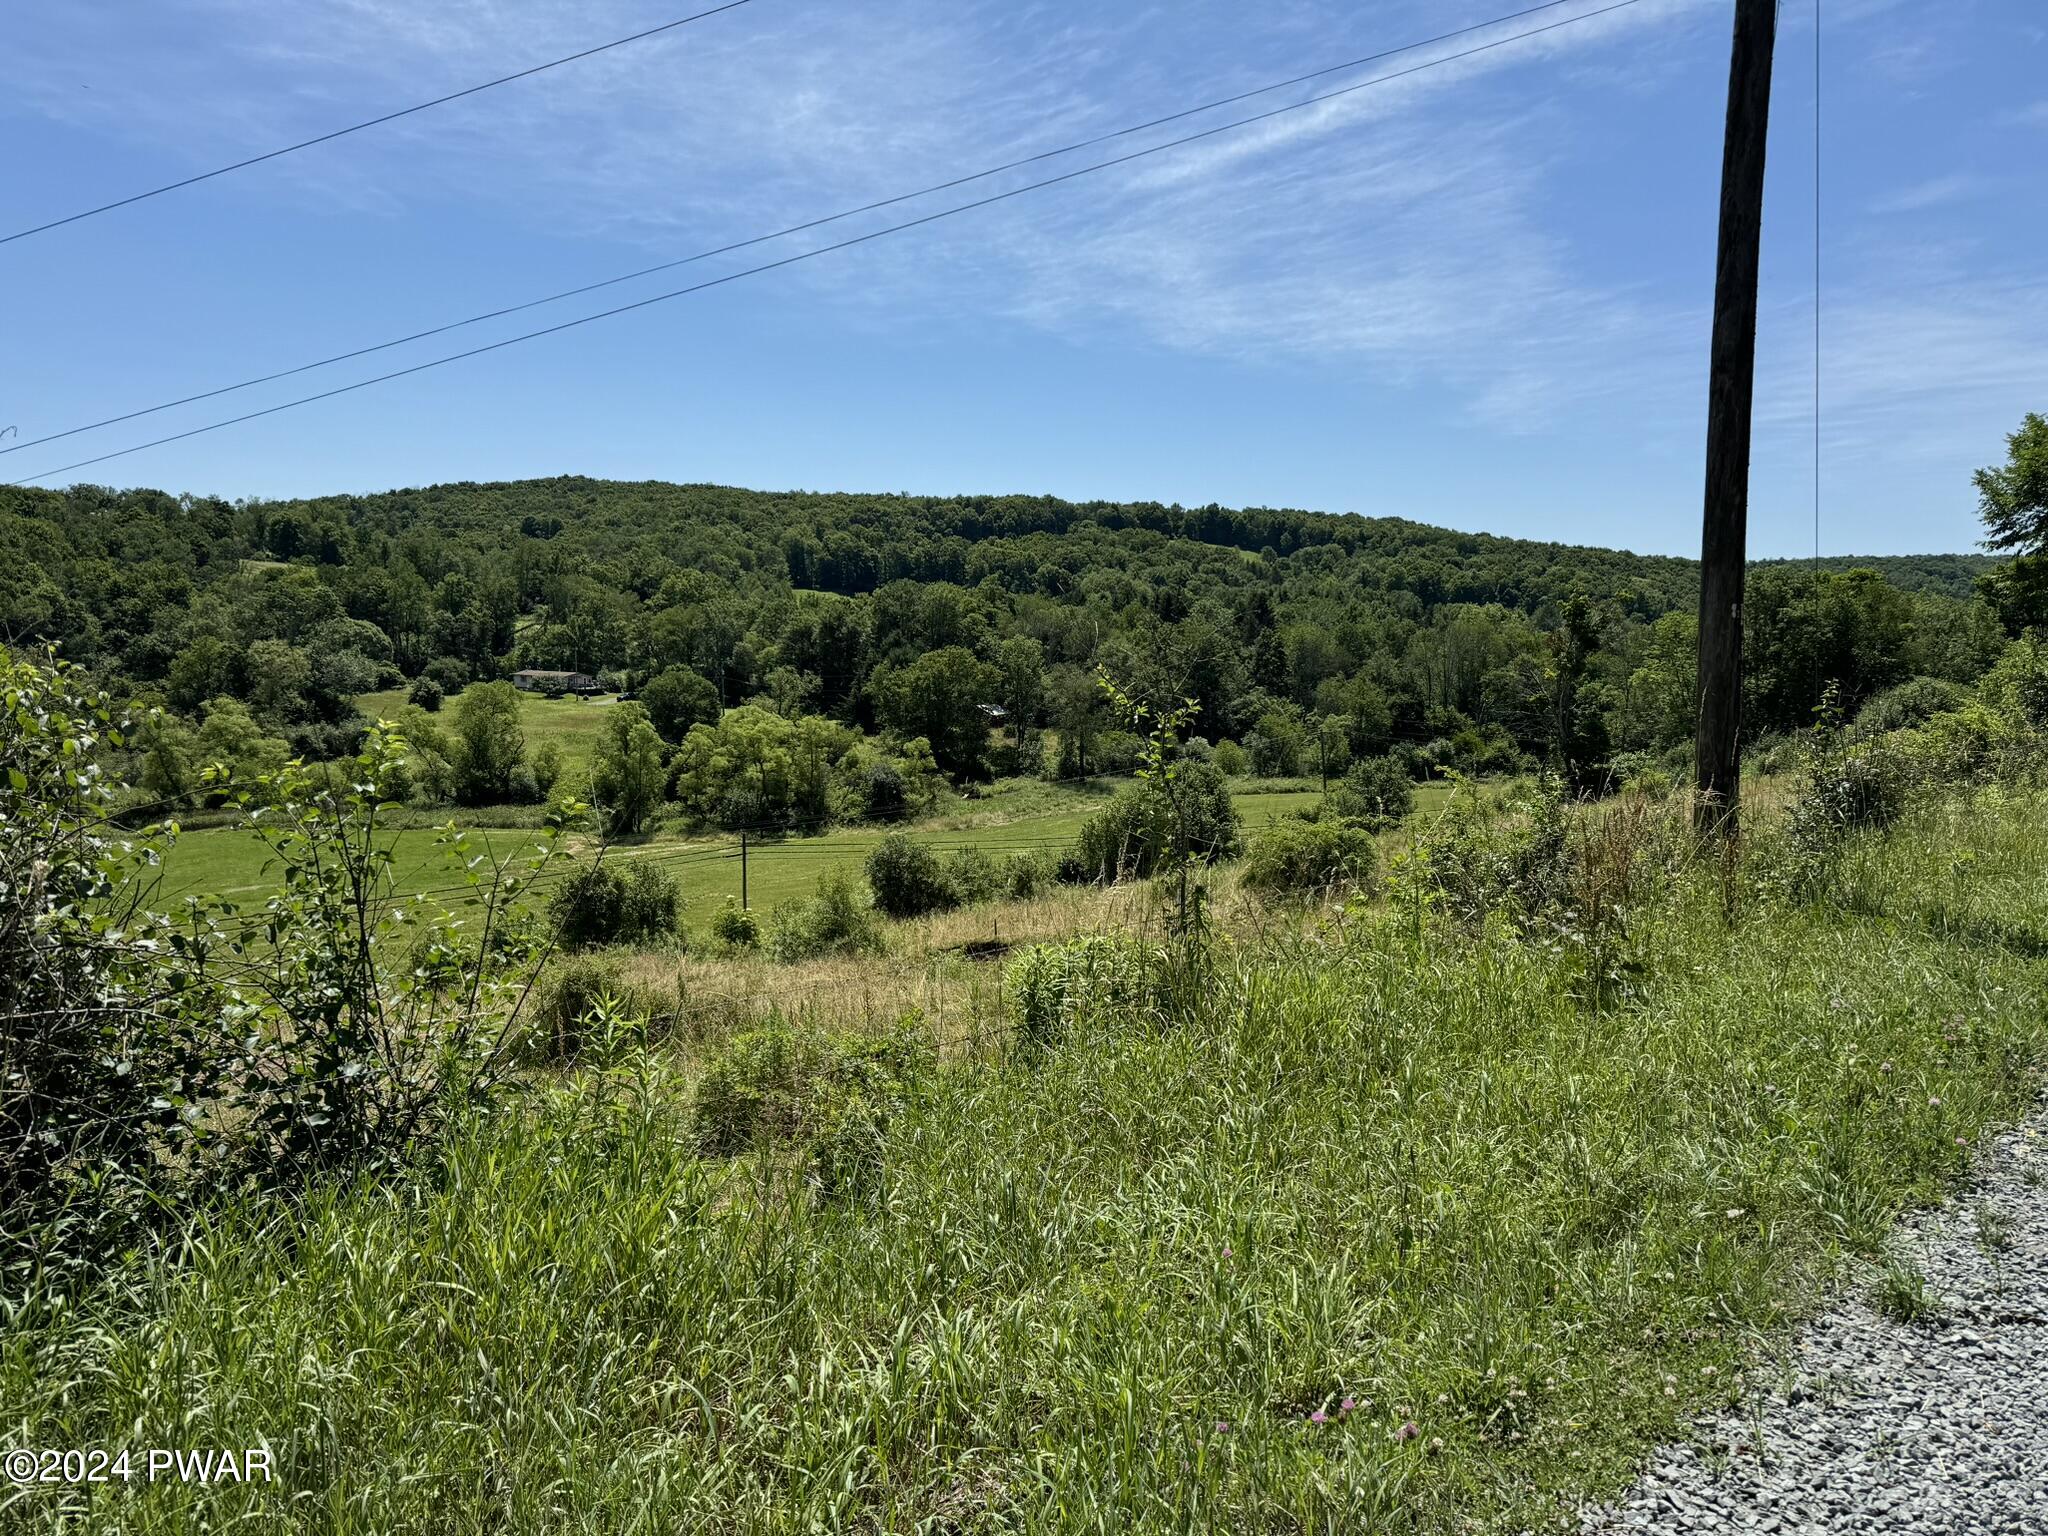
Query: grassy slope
[1028, 815]
[572, 724]
[1105, 1288]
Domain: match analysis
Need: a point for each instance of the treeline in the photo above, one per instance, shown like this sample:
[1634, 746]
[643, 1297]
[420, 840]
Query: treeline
[1301, 637]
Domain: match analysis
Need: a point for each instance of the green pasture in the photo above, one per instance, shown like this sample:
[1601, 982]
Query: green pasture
[572, 724]
[1018, 816]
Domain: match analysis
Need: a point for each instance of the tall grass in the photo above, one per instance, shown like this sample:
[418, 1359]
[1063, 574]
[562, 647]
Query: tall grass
[1405, 1231]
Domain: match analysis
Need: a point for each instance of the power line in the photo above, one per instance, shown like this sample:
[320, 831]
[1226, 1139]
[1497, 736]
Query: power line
[793, 229]
[173, 186]
[891, 229]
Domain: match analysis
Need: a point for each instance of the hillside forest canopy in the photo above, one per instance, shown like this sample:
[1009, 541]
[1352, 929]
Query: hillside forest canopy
[803, 656]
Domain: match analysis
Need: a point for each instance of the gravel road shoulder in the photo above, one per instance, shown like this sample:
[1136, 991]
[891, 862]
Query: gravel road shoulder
[1878, 1423]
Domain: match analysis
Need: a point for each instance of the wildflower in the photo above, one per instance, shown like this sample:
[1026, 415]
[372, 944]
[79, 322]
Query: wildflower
[1319, 1417]
[1707, 1370]
[1884, 1067]
[1962, 1141]
[1347, 1405]
[1436, 1443]
[1934, 1101]
[1735, 1211]
[1408, 1431]
[1223, 1426]
[1671, 1391]
[1227, 1251]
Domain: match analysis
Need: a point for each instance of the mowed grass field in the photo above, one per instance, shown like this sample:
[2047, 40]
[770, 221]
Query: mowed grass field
[1017, 816]
[571, 724]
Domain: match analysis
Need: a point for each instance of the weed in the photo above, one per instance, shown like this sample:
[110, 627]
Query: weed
[1902, 1293]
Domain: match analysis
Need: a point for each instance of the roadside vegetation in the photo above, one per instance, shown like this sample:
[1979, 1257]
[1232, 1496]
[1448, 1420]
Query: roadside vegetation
[1411, 1157]
[1420, 1189]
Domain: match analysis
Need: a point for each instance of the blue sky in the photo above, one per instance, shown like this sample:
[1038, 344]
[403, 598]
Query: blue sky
[1477, 296]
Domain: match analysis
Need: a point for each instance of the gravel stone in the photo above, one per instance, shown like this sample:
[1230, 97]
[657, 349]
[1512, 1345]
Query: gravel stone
[1938, 1428]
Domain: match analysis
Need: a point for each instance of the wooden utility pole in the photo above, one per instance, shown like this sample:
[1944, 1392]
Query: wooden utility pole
[1730, 391]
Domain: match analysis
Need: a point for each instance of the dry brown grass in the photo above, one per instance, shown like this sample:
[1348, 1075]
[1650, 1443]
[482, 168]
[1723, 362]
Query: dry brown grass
[947, 968]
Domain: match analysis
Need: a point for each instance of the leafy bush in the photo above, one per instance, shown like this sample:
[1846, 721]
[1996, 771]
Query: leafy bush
[102, 1047]
[1480, 856]
[830, 1095]
[834, 921]
[1377, 791]
[569, 998]
[1029, 873]
[1852, 786]
[735, 927]
[976, 876]
[1129, 836]
[1911, 703]
[1052, 988]
[908, 880]
[609, 905]
[426, 693]
[2016, 687]
[1292, 856]
[1231, 759]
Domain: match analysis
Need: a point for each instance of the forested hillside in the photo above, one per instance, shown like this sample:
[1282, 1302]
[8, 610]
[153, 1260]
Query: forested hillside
[1294, 632]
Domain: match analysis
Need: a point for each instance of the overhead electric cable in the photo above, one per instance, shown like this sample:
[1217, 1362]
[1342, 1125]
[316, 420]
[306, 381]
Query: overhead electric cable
[823, 250]
[793, 229]
[1816, 282]
[289, 149]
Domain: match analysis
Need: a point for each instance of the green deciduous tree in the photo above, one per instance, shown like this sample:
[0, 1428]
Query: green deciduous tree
[626, 770]
[940, 696]
[487, 744]
[2013, 496]
[677, 699]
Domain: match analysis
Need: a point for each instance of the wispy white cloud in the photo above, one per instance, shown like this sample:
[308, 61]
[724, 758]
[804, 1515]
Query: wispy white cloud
[1411, 233]
[1935, 192]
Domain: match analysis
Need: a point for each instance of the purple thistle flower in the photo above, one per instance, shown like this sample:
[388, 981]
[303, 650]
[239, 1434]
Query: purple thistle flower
[1319, 1417]
[1223, 1426]
[1407, 1432]
[1347, 1405]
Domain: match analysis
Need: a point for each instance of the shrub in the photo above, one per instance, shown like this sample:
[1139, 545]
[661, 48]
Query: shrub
[450, 672]
[2016, 687]
[1131, 835]
[1122, 839]
[1377, 791]
[1911, 703]
[1229, 757]
[1482, 856]
[1852, 786]
[1054, 987]
[834, 921]
[569, 997]
[1116, 752]
[426, 693]
[975, 876]
[1028, 874]
[735, 927]
[100, 1047]
[907, 878]
[1291, 856]
[607, 905]
[830, 1095]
